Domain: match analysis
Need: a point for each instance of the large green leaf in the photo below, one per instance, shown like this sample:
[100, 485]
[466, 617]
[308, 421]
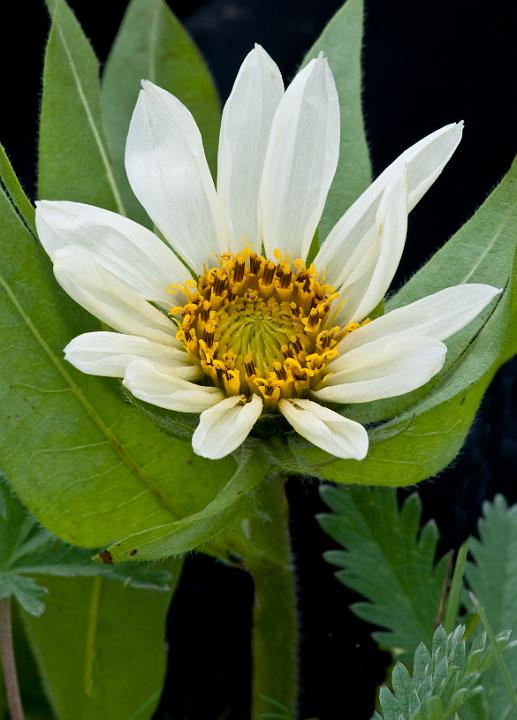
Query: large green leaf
[100, 648]
[153, 45]
[493, 578]
[388, 560]
[73, 161]
[89, 466]
[433, 422]
[229, 506]
[341, 42]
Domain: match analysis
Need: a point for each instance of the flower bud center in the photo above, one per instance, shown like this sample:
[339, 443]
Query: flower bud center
[260, 326]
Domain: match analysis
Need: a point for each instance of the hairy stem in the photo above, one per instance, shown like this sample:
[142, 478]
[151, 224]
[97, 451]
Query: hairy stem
[275, 631]
[8, 662]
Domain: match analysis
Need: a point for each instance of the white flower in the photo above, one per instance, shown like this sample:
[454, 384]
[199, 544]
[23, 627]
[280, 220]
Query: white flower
[226, 319]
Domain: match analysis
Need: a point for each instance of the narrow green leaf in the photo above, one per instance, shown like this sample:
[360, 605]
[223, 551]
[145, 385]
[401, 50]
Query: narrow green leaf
[74, 162]
[15, 191]
[388, 560]
[453, 601]
[153, 45]
[100, 648]
[341, 43]
[93, 469]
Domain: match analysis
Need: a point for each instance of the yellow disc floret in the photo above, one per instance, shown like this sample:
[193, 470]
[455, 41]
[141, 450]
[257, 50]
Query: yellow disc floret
[260, 326]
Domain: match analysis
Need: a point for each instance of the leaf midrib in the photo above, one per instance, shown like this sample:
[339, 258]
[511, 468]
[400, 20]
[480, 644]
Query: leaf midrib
[91, 121]
[90, 410]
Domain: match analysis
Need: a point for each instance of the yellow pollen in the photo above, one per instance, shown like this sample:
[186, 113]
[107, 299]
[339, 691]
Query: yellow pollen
[260, 326]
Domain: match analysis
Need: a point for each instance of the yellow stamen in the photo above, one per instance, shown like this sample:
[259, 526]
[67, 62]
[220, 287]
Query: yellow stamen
[260, 326]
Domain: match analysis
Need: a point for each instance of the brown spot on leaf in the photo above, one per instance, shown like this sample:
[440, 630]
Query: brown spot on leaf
[133, 551]
[106, 558]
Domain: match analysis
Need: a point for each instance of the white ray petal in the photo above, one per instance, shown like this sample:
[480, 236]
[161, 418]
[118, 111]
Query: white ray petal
[325, 428]
[437, 316]
[109, 354]
[245, 127]
[355, 230]
[99, 292]
[148, 383]
[127, 250]
[384, 368]
[300, 162]
[167, 169]
[363, 294]
[225, 426]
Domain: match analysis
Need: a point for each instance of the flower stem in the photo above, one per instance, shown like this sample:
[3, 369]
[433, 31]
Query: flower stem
[8, 662]
[275, 622]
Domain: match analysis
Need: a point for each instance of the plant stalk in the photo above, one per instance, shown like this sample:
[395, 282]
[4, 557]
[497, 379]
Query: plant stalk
[12, 688]
[275, 621]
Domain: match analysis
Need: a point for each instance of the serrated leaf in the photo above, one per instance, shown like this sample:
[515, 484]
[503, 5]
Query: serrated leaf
[73, 158]
[27, 592]
[93, 469]
[27, 550]
[442, 685]
[492, 576]
[341, 42]
[388, 562]
[153, 45]
[100, 648]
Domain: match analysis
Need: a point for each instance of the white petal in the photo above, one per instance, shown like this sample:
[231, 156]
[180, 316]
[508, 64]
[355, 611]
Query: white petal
[150, 384]
[107, 298]
[384, 368]
[109, 354]
[437, 316]
[127, 250]
[245, 126]
[167, 169]
[325, 428]
[225, 426]
[363, 290]
[355, 230]
[300, 162]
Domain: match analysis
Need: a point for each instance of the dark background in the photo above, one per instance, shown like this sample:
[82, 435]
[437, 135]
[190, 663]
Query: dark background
[425, 64]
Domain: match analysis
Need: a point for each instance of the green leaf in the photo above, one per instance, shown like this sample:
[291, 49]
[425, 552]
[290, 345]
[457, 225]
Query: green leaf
[388, 560]
[221, 514]
[74, 162]
[492, 576]
[443, 681]
[13, 188]
[153, 45]
[100, 648]
[341, 43]
[27, 550]
[93, 469]
[433, 422]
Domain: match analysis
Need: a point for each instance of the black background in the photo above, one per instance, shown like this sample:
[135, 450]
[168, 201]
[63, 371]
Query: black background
[425, 64]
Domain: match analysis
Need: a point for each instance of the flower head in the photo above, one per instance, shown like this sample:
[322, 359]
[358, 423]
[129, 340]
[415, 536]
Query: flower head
[227, 318]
